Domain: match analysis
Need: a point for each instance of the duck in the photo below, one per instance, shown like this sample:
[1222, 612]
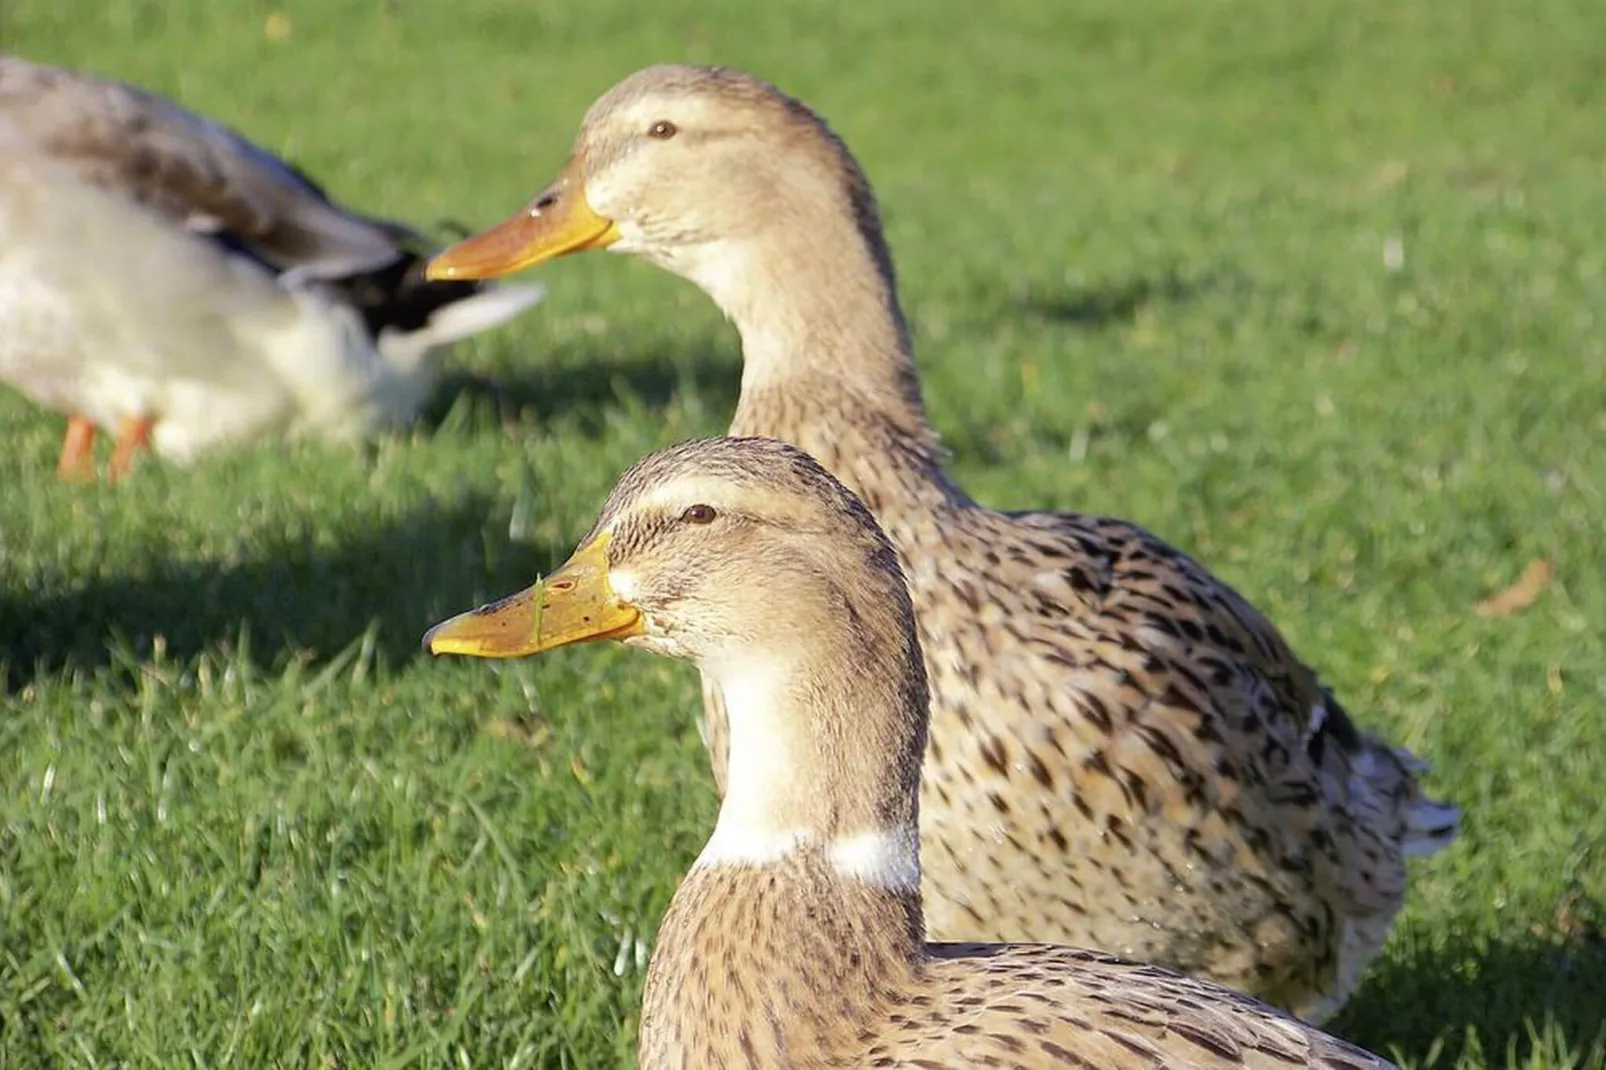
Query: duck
[167, 282]
[1124, 754]
[797, 938]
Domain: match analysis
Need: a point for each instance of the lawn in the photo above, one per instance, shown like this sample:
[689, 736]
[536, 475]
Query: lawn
[1317, 292]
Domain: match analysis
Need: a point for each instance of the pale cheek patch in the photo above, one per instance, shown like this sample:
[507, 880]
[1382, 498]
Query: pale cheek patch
[659, 642]
[623, 584]
[884, 858]
[631, 239]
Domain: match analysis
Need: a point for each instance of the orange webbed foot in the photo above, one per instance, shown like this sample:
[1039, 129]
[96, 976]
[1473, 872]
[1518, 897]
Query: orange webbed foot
[77, 450]
[133, 437]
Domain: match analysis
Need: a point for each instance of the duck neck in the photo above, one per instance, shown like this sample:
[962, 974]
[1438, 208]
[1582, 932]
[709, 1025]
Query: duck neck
[807, 896]
[825, 750]
[827, 363]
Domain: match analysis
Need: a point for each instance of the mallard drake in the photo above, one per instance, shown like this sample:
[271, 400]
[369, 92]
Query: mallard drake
[1124, 753]
[165, 279]
[797, 938]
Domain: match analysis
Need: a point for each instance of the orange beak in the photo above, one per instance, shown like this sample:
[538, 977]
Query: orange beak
[576, 604]
[558, 222]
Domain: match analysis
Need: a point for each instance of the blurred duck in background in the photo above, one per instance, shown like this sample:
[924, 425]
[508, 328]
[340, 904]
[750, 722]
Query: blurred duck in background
[167, 281]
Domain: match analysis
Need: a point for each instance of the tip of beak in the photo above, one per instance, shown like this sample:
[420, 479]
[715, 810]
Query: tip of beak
[438, 271]
[447, 637]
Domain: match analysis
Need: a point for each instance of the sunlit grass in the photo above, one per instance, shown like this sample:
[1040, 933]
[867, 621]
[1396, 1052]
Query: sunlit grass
[1315, 293]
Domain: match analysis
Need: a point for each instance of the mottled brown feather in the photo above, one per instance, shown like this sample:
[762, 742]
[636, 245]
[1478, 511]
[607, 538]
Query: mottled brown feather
[790, 960]
[1124, 754]
[792, 967]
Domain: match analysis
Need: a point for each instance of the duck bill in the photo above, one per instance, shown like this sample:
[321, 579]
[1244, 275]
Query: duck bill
[558, 222]
[576, 604]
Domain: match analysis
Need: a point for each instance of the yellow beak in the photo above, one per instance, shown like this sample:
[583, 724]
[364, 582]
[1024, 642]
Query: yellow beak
[558, 222]
[575, 604]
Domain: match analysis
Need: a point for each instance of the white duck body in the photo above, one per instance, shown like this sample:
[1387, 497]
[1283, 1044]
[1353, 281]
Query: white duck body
[156, 267]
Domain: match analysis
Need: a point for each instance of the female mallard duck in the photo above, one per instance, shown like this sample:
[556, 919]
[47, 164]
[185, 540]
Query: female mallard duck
[796, 940]
[1124, 754]
[165, 279]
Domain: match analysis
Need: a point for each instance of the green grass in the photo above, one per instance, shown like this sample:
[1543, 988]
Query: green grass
[244, 822]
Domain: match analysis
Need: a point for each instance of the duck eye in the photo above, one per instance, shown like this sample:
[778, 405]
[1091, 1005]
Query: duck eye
[662, 130]
[699, 514]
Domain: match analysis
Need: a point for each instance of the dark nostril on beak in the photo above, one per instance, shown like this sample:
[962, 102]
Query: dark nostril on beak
[547, 200]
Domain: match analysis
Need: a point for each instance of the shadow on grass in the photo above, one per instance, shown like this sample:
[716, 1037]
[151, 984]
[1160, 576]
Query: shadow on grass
[292, 599]
[1117, 302]
[588, 381]
[297, 598]
[1503, 994]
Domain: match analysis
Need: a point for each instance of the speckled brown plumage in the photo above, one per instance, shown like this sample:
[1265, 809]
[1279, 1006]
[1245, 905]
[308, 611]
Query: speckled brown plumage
[791, 966]
[1124, 754]
[797, 939]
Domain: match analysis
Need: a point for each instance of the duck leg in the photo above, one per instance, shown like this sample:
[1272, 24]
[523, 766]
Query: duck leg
[77, 450]
[133, 435]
